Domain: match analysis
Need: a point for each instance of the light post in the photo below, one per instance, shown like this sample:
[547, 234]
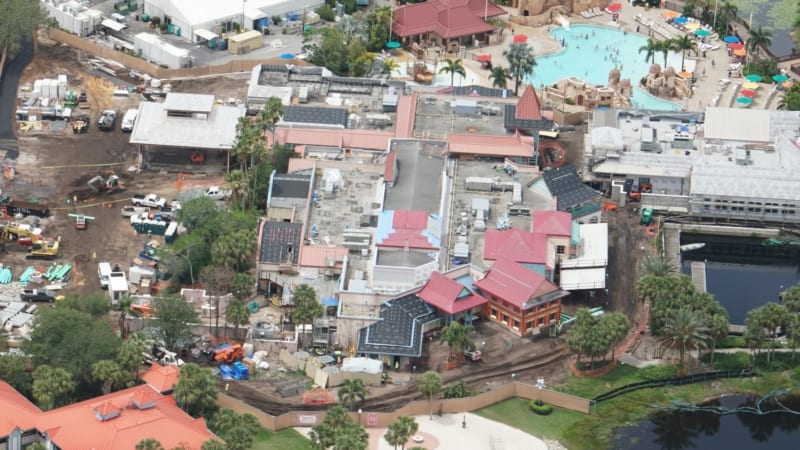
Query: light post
[714, 25]
[243, 3]
[303, 28]
[540, 385]
[359, 416]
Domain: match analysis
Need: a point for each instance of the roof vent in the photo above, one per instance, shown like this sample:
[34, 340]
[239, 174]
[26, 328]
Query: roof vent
[144, 400]
[106, 411]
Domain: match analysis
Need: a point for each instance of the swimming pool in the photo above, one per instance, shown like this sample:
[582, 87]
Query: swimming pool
[590, 54]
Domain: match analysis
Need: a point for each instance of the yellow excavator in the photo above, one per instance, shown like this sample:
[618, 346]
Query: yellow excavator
[15, 231]
[44, 249]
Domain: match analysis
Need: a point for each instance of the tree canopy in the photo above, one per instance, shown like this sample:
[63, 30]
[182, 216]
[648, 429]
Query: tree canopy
[339, 432]
[306, 305]
[174, 317]
[237, 430]
[52, 386]
[196, 390]
[19, 20]
[430, 384]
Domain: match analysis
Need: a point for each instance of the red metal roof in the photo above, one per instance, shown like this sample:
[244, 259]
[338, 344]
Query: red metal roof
[389, 167]
[529, 107]
[515, 245]
[347, 138]
[408, 230]
[15, 410]
[552, 223]
[482, 144]
[81, 425]
[514, 283]
[406, 111]
[161, 378]
[447, 18]
[449, 295]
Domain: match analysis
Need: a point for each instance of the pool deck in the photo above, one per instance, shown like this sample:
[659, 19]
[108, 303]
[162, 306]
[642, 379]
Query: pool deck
[709, 70]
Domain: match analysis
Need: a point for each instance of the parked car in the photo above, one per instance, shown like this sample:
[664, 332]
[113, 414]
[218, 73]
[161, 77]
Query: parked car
[107, 120]
[150, 200]
[37, 295]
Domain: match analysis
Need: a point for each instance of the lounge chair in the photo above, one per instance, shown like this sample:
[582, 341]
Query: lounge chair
[597, 11]
[585, 14]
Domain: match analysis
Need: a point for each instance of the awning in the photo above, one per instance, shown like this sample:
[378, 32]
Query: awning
[330, 301]
[113, 25]
[202, 33]
[484, 58]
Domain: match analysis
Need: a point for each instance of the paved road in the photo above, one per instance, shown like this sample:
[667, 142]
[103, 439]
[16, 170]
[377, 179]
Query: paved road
[8, 99]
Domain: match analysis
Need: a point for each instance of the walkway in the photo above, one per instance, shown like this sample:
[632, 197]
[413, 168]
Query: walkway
[9, 81]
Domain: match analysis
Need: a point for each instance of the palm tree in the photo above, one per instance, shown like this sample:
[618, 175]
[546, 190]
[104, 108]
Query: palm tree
[727, 10]
[306, 306]
[390, 65]
[615, 327]
[51, 386]
[521, 62]
[683, 43]
[237, 313]
[650, 49]
[107, 372]
[196, 389]
[149, 444]
[456, 336]
[758, 38]
[665, 47]
[718, 328]
[129, 355]
[453, 67]
[352, 393]
[684, 329]
[408, 427]
[657, 265]
[430, 384]
[394, 435]
[236, 181]
[499, 77]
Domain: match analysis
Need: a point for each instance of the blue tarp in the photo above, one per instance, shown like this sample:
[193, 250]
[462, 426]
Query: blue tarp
[330, 301]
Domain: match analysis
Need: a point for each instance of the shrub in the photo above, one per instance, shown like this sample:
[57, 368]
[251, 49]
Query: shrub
[732, 342]
[458, 390]
[730, 361]
[658, 372]
[326, 13]
[539, 407]
[276, 20]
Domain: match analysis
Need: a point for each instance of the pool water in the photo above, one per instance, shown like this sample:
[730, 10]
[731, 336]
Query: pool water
[590, 54]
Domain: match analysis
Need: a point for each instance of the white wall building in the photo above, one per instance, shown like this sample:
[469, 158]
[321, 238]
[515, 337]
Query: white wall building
[201, 19]
[150, 47]
[73, 16]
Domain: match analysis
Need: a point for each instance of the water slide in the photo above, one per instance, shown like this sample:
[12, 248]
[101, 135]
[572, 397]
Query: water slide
[563, 21]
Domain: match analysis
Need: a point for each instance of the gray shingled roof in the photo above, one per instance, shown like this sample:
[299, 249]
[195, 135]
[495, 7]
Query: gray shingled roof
[510, 121]
[399, 332]
[565, 184]
[280, 242]
[315, 115]
[474, 90]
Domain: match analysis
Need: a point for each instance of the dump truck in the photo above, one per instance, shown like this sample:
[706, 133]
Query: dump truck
[44, 249]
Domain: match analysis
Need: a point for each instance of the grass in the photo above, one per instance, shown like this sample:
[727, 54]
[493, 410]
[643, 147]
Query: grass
[589, 432]
[288, 439]
[515, 412]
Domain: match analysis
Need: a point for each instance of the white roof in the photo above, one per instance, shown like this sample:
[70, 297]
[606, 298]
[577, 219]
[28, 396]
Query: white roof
[198, 12]
[217, 131]
[112, 24]
[737, 124]
[205, 34]
[118, 283]
[577, 279]
[609, 138]
[362, 365]
[588, 270]
[199, 103]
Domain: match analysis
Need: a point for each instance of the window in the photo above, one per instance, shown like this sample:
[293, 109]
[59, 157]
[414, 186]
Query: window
[505, 318]
[540, 321]
[494, 313]
[529, 325]
[516, 324]
[560, 249]
[552, 317]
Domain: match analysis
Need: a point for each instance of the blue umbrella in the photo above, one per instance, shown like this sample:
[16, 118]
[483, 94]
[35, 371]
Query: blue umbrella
[393, 44]
[287, 56]
[779, 78]
[680, 20]
[744, 100]
[753, 77]
[702, 33]
[731, 39]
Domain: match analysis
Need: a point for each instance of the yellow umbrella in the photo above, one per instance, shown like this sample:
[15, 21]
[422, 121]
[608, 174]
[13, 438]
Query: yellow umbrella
[685, 75]
[740, 52]
[750, 85]
[691, 26]
[670, 14]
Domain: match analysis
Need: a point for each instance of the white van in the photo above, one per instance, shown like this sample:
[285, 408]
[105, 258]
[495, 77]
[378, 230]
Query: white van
[120, 19]
[129, 119]
[104, 273]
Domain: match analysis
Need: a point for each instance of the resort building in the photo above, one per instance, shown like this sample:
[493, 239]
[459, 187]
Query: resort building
[446, 23]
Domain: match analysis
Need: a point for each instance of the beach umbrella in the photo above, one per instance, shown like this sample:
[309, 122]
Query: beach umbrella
[744, 100]
[691, 26]
[702, 33]
[731, 39]
[747, 93]
[736, 46]
[750, 85]
[755, 78]
[287, 56]
[392, 44]
[740, 52]
[670, 14]
[520, 38]
[680, 20]
[787, 84]
[685, 75]
[614, 7]
[779, 78]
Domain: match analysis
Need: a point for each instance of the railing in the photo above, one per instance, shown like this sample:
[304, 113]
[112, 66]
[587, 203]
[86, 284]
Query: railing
[677, 381]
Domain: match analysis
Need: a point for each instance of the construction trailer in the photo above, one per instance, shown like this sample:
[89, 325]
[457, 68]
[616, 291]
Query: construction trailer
[245, 42]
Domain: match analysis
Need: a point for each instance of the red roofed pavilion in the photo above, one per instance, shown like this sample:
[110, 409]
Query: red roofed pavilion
[445, 22]
[451, 298]
[529, 107]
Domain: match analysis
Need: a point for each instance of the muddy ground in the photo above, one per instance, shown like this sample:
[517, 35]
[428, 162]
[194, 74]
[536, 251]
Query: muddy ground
[53, 166]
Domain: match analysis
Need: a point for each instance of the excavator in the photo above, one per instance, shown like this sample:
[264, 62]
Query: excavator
[44, 249]
[108, 185]
[227, 353]
[20, 232]
[644, 188]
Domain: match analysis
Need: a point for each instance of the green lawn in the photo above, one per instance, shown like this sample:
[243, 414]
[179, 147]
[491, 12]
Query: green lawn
[288, 439]
[588, 387]
[515, 412]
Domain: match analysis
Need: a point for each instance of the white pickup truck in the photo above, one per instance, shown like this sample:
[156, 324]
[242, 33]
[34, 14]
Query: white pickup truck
[149, 200]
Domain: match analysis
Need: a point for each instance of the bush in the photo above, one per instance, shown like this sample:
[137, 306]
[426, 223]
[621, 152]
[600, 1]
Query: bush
[658, 372]
[730, 361]
[732, 342]
[539, 407]
[276, 20]
[326, 13]
[459, 390]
